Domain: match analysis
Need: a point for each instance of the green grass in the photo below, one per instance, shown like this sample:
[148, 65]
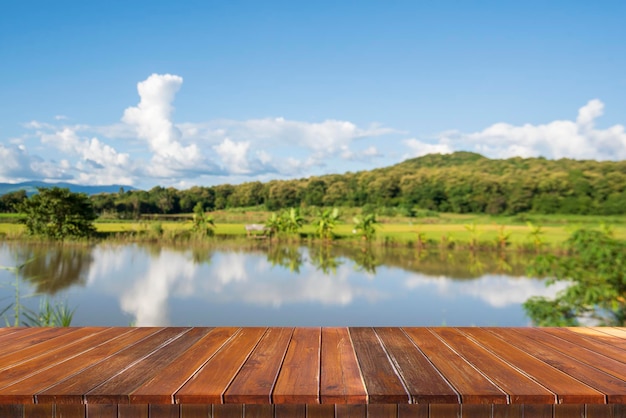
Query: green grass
[461, 229]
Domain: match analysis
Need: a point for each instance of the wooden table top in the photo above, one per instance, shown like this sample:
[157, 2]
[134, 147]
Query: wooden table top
[256, 366]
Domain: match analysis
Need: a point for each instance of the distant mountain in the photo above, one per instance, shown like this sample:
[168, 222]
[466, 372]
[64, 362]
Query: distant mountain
[31, 187]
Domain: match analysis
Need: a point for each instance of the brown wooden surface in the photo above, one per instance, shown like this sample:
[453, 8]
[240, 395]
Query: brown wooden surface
[341, 380]
[255, 382]
[162, 387]
[473, 386]
[382, 381]
[299, 380]
[242, 371]
[209, 383]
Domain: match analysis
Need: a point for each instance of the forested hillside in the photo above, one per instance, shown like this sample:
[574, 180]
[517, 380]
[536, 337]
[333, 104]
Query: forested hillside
[461, 182]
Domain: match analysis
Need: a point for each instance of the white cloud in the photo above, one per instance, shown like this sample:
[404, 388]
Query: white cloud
[100, 163]
[577, 139]
[497, 291]
[152, 120]
[234, 155]
[419, 148]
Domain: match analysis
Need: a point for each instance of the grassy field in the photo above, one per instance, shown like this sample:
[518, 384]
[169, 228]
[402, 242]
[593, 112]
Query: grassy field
[463, 230]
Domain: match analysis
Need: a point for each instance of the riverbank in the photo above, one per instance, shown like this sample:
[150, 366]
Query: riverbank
[521, 232]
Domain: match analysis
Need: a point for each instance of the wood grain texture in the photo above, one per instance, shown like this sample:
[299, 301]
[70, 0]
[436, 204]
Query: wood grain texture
[162, 387]
[608, 349]
[72, 389]
[468, 382]
[256, 379]
[423, 381]
[567, 389]
[582, 354]
[211, 381]
[521, 388]
[299, 378]
[86, 340]
[340, 377]
[612, 387]
[23, 390]
[50, 348]
[381, 379]
[118, 388]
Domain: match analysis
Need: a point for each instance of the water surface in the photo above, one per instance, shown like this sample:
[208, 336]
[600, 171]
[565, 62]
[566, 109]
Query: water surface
[269, 285]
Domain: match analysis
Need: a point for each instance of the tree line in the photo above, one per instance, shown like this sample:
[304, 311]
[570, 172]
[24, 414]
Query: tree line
[461, 182]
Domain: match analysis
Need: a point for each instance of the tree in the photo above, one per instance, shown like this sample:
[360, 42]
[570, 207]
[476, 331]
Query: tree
[326, 222]
[366, 226]
[202, 224]
[56, 213]
[595, 270]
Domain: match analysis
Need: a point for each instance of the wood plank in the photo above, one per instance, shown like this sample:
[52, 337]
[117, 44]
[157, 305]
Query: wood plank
[162, 387]
[445, 411]
[48, 346]
[600, 411]
[477, 410]
[131, 411]
[615, 332]
[413, 411]
[118, 388]
[11, 411]
[320, 411]
[195, 411]
[340, 377]
[382, 381]
[508, 411]
[423, 381]
[569, 411]
[470, 384]
[72, 389]
[23, 390]
[86, 338]
[101, 411]
[38, 411]
[70, 411]
[299, 378]
[290, 411]
[612, 387]
[538, 411]
[567, 388]
[162, 411]
[21, 338]
[521, 388]
[256, 379]
[211, 381]
[351, 411]
[259, 411]
[600, 362]
[227, 411]
[593, 344]
[382, 410]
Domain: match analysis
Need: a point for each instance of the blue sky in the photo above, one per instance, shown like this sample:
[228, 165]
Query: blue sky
[190, 93]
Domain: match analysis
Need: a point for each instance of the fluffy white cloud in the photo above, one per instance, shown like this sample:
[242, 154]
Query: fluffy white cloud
[578, 139]
[99, 163]
[152, 120]
[234, 155]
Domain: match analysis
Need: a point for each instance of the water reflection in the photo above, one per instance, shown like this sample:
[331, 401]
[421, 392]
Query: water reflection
[279, 285]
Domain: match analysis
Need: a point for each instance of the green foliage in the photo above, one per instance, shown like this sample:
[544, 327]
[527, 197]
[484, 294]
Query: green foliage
[288, 221]
[595, 269]
[48, 315]
[202, 223]
[365, 226]
[56, 213]
[325, 224]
